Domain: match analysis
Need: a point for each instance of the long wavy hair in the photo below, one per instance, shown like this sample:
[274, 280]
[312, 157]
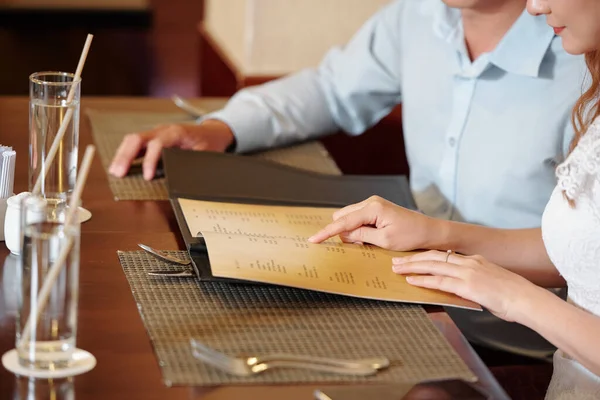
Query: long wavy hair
[587, 107]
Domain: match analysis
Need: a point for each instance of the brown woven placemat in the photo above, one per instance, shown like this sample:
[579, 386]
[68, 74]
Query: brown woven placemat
[250, 319]
[108, 129]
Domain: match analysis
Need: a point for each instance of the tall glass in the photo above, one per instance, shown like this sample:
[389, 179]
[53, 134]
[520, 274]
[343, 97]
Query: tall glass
[47, 389]
[51, 340]
[48, 105]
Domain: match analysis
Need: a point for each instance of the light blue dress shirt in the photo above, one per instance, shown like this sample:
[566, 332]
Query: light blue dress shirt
[482, 138]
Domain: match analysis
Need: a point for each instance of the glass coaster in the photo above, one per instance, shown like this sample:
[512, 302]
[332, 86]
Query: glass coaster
[84, 215]
[82, 362]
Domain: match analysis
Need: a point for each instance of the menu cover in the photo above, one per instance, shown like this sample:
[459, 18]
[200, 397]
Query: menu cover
[234, 178]
[225, 206]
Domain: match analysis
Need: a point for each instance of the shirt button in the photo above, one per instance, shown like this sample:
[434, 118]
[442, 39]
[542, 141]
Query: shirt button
[451, 142]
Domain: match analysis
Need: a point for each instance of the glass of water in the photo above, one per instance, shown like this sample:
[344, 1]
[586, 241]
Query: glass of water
[48, 106]
[50, 341]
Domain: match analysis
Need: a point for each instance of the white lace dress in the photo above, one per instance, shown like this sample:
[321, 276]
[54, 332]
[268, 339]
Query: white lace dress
[572, 239]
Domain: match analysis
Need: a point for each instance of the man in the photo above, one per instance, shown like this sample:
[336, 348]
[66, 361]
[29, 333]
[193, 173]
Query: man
[486, 92]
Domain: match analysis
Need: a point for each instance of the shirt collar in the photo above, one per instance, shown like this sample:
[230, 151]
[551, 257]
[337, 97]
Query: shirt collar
[524, 46]
[521, 51]
[447, 23]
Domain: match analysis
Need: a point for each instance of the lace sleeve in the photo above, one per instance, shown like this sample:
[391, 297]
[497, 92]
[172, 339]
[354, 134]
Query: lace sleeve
[581, 169]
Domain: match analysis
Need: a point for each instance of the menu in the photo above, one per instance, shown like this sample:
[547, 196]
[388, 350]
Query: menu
[269, 244]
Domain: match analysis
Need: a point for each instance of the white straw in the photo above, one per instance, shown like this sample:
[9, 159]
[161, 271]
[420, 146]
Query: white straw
[11, 173]
[4, 173]
[56, 268]
[7, 174]
[68, 116]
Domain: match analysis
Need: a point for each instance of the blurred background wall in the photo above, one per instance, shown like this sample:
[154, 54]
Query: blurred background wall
[161, 47]
[141, 47]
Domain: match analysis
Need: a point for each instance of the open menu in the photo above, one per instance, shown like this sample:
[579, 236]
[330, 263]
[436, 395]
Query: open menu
[268, 244]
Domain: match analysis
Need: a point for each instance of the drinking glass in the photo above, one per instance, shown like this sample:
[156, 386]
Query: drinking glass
[48, 106]
[51, 340]
[48, 389]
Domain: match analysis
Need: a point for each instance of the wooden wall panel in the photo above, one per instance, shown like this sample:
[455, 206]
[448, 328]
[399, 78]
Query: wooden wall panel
[176, 47]
[217, 75]
[37, 40]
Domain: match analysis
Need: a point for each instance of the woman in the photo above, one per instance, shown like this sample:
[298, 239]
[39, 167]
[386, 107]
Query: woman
[567, 248]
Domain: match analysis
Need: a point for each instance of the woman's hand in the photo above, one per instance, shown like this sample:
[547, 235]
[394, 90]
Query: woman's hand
[471, 277]
[384, 224]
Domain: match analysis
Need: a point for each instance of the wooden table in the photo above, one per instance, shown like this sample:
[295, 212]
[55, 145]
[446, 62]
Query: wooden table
[109, 324]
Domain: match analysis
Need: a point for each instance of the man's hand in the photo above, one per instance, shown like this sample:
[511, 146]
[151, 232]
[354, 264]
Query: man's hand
[210, 135]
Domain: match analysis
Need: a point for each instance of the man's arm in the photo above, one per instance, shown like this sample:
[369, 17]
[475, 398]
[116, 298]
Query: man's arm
[352, 89]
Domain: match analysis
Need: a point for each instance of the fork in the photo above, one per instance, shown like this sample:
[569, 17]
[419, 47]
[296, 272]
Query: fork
[255, 365]
[164, 256]
[186, 272]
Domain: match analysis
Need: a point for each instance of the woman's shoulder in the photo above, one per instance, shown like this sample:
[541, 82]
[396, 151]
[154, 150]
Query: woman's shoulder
[582, 167]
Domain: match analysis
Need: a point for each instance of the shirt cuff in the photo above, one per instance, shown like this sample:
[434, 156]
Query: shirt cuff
[249, 128]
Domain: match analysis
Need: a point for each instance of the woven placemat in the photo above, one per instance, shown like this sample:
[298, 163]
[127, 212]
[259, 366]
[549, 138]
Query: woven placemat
[108, 129]
[249, 319]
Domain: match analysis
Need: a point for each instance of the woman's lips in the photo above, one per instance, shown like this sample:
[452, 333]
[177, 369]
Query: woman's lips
[557, 31]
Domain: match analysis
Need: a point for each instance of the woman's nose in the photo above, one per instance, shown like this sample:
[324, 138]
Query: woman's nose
[538, 7]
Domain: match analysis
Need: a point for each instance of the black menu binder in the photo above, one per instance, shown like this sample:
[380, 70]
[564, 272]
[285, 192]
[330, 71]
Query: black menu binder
[232, 178]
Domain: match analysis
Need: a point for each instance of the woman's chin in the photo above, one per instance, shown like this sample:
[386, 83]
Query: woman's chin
[575, 47]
